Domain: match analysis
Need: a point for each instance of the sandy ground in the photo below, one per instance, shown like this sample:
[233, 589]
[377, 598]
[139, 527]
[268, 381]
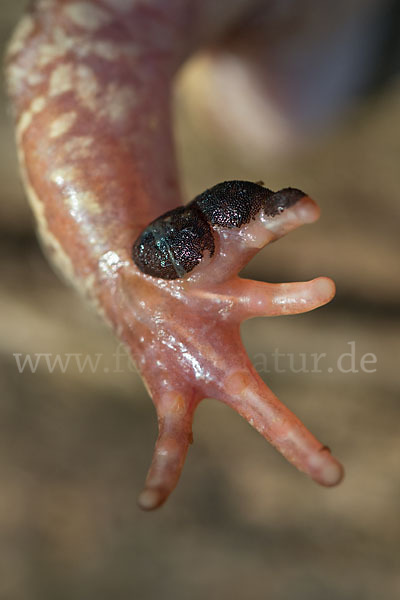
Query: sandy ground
[74, 447]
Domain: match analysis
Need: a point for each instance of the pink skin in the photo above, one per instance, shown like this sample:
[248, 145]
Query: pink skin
[95, 146]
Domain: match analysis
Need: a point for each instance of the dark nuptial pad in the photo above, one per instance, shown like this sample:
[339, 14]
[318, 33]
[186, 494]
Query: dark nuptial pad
[172, 245]
[232, 203]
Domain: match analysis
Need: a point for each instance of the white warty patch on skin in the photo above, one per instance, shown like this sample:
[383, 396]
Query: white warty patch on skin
[62, 124]
[23, 31]
[117, 103]
[34, 78]
[79, 147]
[110, 263]
[101, 48]
[87, 87]
[48, 53]
[61, 80]
[88, 201]
[65, 40]
[82, 46]
[78, 200]
[113, 104]
[107, 50]
[87, 15]
[65, 175]
[58, 47]
[17, 78]
[36, 106]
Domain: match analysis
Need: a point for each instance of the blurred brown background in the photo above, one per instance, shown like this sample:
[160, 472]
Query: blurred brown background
[75, 447]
